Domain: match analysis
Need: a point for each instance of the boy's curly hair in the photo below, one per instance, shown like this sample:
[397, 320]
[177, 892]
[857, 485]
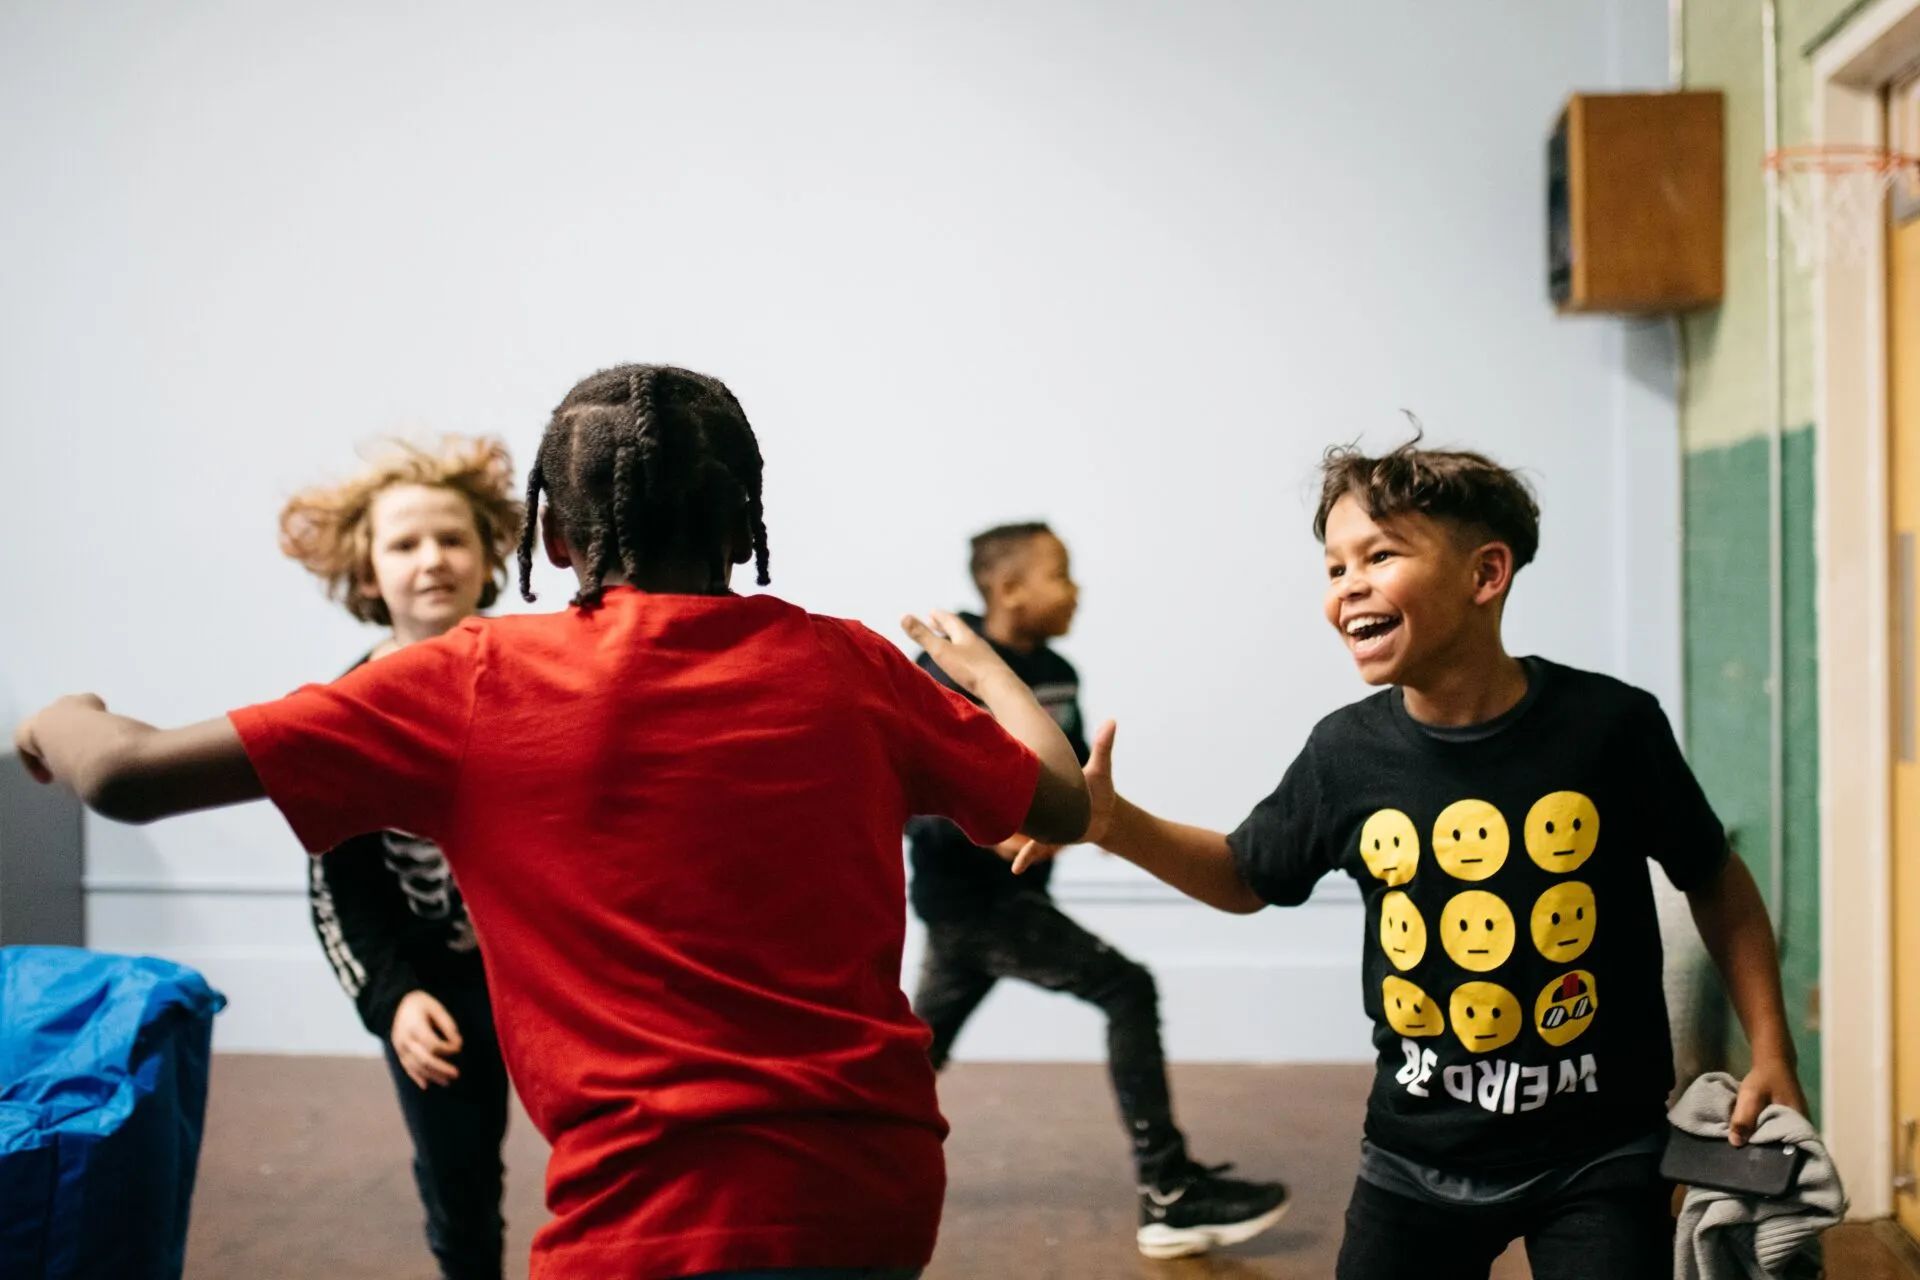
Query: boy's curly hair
[329, 528]
[1469, 489]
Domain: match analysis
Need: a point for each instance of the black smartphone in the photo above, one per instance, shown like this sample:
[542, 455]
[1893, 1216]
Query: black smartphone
[1768, 1169]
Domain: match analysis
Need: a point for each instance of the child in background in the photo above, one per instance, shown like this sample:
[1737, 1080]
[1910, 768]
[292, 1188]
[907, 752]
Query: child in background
[416, 543]
[675, 814]
[1498, 814]
[983, 924]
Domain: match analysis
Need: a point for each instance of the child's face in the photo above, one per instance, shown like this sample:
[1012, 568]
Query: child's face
[1401, 593]
[1038, 592]
[428, 565]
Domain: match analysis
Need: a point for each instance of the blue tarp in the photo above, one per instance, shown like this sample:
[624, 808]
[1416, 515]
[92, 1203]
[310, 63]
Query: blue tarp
[103, 1095]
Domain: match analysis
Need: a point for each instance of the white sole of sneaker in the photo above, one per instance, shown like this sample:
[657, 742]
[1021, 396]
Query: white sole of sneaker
[1158, 1240]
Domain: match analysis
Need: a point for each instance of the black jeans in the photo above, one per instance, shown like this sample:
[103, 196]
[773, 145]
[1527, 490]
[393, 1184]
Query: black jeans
[457, 1130]
[1615, 1223]
[1025, 936]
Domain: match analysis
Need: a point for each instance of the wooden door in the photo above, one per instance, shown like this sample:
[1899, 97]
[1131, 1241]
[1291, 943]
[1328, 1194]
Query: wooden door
[1903, 348]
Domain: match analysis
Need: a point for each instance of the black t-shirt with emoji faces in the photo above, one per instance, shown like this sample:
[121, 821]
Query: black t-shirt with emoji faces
[1512, 952]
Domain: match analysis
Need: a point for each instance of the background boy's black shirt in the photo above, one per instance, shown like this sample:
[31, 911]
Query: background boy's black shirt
[953, 878]
[1590, 1054]
[391, 920]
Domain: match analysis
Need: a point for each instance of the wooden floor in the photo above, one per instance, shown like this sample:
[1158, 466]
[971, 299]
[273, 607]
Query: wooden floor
[304, 1176]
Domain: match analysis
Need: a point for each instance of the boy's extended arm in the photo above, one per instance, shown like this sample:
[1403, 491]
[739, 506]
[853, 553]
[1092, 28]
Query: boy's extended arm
[130, 771]
[1059, 809]
[1193, 860]
[1732, 919]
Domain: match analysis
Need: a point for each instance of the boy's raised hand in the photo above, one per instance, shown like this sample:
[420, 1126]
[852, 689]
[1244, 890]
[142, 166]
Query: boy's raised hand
[1100, 795]
[1058, 810]
[953, 645]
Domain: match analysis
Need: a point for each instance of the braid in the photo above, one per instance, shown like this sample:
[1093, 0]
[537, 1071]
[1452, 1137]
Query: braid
[534, 480]
[626, 538]
[635, 447]
[758, 520]
[590, 587]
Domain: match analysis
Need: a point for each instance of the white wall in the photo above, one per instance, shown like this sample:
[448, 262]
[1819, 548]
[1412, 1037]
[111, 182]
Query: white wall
[1127, 267]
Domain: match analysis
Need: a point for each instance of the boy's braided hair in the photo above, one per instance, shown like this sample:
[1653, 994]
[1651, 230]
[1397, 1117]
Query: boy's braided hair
[1469, 489]
[642, 462]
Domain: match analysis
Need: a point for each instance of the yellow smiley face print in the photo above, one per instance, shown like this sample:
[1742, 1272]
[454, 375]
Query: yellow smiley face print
[1470, 840]
[1403, 933]
[1563, 921]
[1410, 1011]
[1566, 1007]
[1562, 830]
[1390, 846]
[1484, 1015]
[1476, 928]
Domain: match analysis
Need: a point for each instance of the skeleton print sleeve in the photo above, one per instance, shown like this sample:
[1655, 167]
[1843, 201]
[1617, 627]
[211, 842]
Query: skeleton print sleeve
[360, 915]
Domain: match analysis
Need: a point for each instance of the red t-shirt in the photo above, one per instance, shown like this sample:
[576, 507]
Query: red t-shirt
[676, 821]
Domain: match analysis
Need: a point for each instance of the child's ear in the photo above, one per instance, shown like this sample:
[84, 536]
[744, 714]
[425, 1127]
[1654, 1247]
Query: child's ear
[1492, 572]
[559, 554]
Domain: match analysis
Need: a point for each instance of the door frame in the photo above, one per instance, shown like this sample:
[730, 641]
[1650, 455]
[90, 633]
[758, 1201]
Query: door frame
[1852, 525]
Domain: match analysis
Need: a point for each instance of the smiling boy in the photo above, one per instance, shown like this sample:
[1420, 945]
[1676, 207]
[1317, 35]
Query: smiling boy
[1498, 814]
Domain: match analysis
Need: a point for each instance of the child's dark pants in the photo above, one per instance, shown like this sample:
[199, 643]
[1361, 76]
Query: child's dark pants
[1025, 936]
[1613, 1223]
[457, 1130]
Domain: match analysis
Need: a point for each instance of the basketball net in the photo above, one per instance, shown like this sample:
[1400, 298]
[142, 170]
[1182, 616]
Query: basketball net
[1833, 198]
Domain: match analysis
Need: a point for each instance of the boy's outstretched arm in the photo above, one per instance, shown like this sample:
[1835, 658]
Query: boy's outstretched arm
[1059, 810]
[130, 771]
[1193, 860]
[1732, 919]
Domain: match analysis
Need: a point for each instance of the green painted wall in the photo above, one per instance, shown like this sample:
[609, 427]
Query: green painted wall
[1726, 414]
[1725, 657]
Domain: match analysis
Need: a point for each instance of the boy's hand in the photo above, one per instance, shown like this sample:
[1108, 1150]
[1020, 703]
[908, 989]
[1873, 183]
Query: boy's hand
[957, 651]
[425, 1039]
[1032, 853]
[1771, 1080]
[1010, 848]
[28, 750]
[1099, 775]
[26, 742]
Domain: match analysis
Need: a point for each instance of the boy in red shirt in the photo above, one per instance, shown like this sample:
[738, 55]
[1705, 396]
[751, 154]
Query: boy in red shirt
[675, 814]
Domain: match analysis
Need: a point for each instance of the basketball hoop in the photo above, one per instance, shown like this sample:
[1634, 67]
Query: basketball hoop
[1832, 197]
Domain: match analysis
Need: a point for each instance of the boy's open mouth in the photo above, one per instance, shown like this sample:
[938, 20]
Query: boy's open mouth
[1367, 632]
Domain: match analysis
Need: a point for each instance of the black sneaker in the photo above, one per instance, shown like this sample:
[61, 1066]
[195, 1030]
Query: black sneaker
[1199, 1209]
